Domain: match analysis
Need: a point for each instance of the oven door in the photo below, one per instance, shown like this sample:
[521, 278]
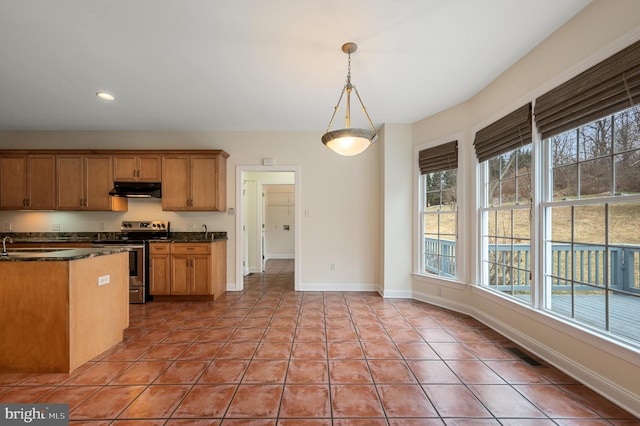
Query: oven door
[137, 274]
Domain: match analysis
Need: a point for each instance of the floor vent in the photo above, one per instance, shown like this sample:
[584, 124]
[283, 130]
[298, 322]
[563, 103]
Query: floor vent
[524, 356]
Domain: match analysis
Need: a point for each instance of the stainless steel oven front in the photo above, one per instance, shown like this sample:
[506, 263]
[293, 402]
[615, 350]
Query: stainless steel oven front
[137, 268]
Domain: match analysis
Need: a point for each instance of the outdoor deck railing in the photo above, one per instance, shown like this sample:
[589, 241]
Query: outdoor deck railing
[510, 265]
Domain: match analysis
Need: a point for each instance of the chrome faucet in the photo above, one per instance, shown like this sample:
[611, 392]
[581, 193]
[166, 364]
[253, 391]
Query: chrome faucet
[4, 245]
[206, 232]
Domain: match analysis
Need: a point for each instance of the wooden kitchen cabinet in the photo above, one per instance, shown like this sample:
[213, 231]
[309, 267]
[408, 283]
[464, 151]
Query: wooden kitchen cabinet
[194, 182]
[27, 182]
[159, 269]
[83, 183]
[137, 168]
[190, 269]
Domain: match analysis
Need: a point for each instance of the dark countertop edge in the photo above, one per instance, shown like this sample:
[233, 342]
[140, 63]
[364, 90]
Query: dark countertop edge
[189, 240]
[82, 237]
[62, 255]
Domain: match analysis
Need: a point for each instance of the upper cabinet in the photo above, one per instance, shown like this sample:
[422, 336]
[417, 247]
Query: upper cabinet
[84, 181]
[136, 168]
[27, 182]
[192, 182]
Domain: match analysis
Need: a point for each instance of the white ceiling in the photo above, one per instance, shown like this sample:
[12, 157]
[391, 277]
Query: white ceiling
[262, 65]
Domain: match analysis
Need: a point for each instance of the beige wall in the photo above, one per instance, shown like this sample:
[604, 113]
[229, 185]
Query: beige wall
[599, 30]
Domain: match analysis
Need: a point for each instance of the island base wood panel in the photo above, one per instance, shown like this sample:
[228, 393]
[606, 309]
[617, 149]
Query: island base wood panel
[55, 317]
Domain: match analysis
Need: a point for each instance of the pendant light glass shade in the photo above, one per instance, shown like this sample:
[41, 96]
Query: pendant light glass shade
[349, 141]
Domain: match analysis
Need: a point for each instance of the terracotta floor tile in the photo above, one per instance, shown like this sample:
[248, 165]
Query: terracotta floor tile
[206, 401]
[516, 372]
[106, 403]
[597, 403]
[504, 401]
[380, 350]
[255, 401]
[360, 422]
[72, 395]
[273, 350]
[452, 350]
[305, 401]
[405, 401]
[372, 333]
[247, 335]
[310, 335]
[283, 322]
[554, 402]
[344, 350]
[390, 371]
[224, 371]
[307, 372]
[474, 372]
[181, 335]
[201, 350]
[404, 334]
[433, 372]
[309, 350]
[182, 372]
[416, 350]
[157, 401]
[342, 335]
[237, 350]
[354, 401]
[527, 422]
[350, 371]
[488, 351]
[24, 394]
[193, 422]
[455, 401]
[127, 352]
[279, 334]
[252, 322]
[304, 422]
[165, 351]
[142, 372]
[100, 373]
[265, 371]
[433, 335]
[217, 335]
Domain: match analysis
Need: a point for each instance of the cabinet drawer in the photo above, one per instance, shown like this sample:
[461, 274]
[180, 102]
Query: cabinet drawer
[187, 248]
[159, 248]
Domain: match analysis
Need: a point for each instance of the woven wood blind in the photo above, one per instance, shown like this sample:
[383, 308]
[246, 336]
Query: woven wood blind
[604, 89]
[439, 158]
[504, 135]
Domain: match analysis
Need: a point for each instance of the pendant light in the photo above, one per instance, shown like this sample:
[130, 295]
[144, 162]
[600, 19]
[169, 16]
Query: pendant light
[349, 141]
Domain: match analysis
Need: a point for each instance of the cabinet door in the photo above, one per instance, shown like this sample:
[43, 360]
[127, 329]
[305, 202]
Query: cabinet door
[159, 275]
[204, 183]
[201, 275]
[69, 182]
[125, 168]
[99, 181]
[42, 178]
[149, 168]
[180, 274]
[175, 183]
[13, 182]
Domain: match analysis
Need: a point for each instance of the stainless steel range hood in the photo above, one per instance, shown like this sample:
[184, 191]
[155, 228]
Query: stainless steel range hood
[137, 189]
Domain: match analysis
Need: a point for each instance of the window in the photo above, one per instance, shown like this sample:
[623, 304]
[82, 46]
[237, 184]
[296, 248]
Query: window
[439, 166]
[506, 236]
[592, 239]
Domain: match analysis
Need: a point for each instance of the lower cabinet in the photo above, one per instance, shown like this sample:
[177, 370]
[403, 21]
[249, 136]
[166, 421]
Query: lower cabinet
[187, 269]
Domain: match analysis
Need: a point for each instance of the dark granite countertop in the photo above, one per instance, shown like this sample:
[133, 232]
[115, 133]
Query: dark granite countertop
[89, 237]
[62, 254]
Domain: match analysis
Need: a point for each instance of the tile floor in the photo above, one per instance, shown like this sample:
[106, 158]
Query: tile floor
[269, 355]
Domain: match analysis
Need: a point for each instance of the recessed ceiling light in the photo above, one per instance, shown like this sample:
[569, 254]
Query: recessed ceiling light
[106, 96]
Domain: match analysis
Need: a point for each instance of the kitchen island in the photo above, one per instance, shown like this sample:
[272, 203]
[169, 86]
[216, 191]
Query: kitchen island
[59, 308]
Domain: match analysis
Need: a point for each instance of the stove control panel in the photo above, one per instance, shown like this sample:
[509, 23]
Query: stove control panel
[145, 226]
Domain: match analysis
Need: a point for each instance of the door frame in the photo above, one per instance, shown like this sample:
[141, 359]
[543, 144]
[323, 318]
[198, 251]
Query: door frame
[240, 170]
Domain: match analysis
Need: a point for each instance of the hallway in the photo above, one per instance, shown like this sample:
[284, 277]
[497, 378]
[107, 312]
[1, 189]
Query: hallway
[269, 355]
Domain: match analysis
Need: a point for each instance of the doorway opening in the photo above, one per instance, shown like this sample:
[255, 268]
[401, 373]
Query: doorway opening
[267, 219]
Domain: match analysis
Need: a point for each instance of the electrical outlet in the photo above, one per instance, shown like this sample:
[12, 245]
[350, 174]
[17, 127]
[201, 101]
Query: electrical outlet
[332, 266]
[102, 226]
[104, 279]
[56, 226]
[7, 226]
[189, 226]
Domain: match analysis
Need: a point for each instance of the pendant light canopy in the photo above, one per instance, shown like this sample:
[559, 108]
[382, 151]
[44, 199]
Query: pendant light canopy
[349, 141]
